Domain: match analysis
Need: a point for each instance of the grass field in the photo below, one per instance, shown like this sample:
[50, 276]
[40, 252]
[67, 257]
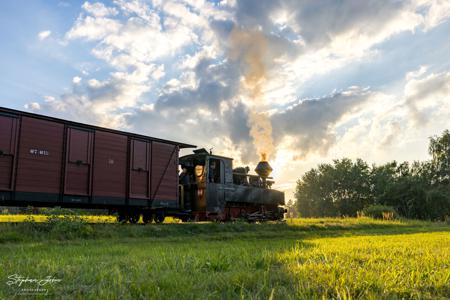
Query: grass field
[299, 259]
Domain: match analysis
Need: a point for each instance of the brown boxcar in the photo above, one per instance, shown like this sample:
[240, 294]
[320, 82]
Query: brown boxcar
[46, 161]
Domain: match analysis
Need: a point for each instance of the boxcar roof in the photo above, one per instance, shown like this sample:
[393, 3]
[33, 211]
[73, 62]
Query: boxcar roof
[77, 124]
[205, 154]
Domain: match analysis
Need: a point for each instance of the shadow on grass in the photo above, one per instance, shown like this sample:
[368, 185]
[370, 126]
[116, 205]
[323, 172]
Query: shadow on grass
[72, 229]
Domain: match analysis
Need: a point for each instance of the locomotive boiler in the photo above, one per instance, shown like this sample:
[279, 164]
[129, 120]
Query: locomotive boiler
[50, 162]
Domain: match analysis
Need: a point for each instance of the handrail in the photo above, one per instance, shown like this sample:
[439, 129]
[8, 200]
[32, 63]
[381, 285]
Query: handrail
[249, 175]
[181, 194]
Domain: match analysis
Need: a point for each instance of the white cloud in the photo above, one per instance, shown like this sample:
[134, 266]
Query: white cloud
[416, 73]
[93, 28]
[438, 12]
[428, 95]
[76, 80]
[137, 47]
[397, 126]
[44, 34]
[49, 98]
[33, 106]
[98, 9]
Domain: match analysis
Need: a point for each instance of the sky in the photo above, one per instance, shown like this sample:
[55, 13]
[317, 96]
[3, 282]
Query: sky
[302, 81]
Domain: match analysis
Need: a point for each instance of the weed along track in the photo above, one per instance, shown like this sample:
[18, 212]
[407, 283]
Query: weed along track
[299, 259]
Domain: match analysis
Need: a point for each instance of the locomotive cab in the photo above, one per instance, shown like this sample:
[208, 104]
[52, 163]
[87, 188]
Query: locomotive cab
[208, 175]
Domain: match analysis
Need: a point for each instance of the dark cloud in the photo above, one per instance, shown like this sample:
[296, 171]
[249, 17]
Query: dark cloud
[236, 120]
[237, 128]
[310, 122]
[255, 14]
[318, 21]
[216, 82]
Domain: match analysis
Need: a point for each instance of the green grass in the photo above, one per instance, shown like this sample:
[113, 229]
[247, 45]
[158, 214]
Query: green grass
[299, 259]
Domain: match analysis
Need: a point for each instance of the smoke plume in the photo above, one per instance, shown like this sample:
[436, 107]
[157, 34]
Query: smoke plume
[249, 48]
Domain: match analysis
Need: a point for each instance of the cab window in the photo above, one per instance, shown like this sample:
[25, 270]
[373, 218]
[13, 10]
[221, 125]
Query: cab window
[215, 172]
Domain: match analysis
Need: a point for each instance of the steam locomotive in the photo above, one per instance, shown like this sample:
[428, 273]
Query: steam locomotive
[50, 162]
[218, 192]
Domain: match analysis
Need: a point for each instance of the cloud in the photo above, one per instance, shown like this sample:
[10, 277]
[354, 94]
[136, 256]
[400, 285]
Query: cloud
[33, 106]
[44, 34]
[170, 70]
[396, 126]
[310, 123]
[76, 80]
[93, 28]
[167, 69]
[437, 11]
[98, 9]
[427, 93]
[214, 83]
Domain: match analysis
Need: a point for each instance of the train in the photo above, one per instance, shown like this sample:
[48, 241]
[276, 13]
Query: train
[51, 162]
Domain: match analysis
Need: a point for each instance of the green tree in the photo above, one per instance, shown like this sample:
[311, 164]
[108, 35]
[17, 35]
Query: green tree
[337, 189]
[381, 177]
[308, 194]
[351, 190]
[419, 190]
[407, 194]
[439, 150]
[438, 203]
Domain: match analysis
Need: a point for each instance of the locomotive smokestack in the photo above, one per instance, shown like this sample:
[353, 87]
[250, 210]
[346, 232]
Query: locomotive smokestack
[263, 168]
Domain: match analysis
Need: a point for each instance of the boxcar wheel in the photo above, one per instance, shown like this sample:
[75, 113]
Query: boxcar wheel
[121, 218]
[160, 216]
[134, 218]
[147, 218]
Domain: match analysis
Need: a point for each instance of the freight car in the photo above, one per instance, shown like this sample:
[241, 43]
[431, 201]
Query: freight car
[48, 162]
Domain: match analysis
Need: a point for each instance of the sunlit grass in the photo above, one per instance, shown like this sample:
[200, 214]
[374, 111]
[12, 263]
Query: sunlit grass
[414, 265]
[346, 221]
[43, 218]
[89, 219]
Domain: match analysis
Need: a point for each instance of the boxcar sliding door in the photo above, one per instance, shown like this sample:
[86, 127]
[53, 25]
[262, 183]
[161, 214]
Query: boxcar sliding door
[139, 172]
[8, 145]
[164, 182]
[39, 160]
[110, 168]
[78, 165]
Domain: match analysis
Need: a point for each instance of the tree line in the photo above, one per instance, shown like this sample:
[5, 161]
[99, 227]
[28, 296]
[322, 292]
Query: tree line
[420, 190]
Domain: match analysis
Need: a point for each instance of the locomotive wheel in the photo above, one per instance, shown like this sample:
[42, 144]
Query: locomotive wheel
[160, 216]
[121, 218]
[134, 217]
[186, 219]
[147, 218]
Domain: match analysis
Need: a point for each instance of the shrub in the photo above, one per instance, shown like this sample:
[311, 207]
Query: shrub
[380, 212]
[438, 204]
[10, 236]
[60, 227]
[57, 211]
